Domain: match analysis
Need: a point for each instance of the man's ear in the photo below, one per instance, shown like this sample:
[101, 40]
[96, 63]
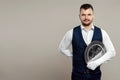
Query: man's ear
[79, 16]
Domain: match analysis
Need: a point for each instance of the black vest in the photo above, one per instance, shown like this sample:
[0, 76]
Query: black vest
[78, 46]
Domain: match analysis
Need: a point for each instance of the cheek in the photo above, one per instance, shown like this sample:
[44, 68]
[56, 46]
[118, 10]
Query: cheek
[91, 17]
[82, 17]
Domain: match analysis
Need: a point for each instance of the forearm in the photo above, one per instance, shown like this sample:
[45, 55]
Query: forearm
[66, 52]
[106, 57]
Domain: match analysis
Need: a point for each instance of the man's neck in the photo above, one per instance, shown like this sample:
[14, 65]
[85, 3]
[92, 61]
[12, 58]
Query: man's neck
[87, 28]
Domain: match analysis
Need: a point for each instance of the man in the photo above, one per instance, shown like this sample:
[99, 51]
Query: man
[80, 37]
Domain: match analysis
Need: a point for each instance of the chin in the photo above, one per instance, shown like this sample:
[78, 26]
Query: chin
[86, 24]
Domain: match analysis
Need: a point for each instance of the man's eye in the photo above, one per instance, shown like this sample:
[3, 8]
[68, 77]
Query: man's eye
[83, 14]
[89, 14]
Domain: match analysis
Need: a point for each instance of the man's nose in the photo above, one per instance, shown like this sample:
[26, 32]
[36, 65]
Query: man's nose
[86, 17]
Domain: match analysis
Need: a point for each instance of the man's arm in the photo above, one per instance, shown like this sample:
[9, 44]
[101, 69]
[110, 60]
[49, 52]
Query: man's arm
[65, 44]
[110, 52]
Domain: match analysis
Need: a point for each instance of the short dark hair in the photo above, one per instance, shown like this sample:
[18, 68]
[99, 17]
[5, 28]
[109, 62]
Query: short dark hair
[86, 6]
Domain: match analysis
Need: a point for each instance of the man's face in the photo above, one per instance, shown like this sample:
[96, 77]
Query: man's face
[86, 16]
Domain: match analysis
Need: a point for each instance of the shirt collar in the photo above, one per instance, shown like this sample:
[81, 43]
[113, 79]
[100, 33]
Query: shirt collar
[83, 28]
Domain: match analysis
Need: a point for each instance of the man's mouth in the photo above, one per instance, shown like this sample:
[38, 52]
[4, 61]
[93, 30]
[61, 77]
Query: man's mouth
[86, 20]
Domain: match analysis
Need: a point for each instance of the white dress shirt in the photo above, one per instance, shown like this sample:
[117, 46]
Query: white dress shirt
[87, 36]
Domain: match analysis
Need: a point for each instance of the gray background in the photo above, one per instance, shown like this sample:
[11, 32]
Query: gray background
[31, 30]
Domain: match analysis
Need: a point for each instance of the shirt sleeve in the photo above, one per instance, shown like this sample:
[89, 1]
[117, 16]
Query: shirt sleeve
[110, 50]
[65, 43]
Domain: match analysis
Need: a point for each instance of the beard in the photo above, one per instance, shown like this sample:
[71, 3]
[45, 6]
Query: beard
[86, 24]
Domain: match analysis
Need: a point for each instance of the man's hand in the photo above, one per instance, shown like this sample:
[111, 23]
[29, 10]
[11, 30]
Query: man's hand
[92, 65]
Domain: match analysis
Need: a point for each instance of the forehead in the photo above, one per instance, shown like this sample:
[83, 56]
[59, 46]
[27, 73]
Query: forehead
[86, 11]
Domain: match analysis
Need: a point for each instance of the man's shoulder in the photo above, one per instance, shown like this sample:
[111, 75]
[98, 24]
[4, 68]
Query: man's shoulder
[70, 31]
[76, 27]
[102, 30]
[97, 27]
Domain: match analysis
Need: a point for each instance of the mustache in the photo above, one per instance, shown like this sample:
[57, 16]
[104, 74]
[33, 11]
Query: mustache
[86, 20]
